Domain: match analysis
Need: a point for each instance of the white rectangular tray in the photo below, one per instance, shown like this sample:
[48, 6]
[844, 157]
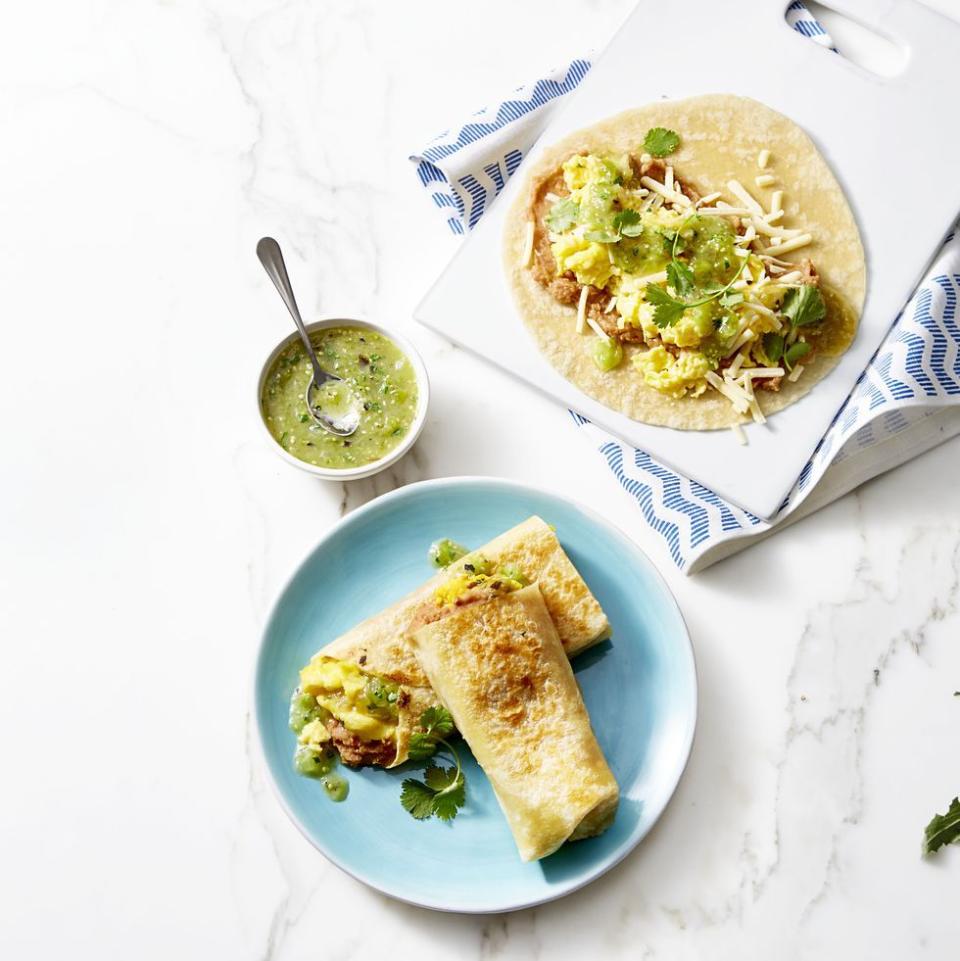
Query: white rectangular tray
[892, 143]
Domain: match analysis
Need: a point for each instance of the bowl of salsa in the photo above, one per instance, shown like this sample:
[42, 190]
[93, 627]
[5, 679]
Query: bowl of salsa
[383, 373]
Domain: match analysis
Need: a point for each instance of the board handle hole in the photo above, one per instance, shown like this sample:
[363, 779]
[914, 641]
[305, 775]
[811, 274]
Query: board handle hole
[858, 41]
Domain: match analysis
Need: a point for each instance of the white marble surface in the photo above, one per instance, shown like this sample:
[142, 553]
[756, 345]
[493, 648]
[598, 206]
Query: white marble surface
[145, 526]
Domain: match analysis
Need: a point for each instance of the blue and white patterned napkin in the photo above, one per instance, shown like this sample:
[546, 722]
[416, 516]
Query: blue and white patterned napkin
[905, 402]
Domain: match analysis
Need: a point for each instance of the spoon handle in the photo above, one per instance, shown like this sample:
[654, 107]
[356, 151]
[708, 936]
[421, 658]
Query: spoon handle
[268, 250]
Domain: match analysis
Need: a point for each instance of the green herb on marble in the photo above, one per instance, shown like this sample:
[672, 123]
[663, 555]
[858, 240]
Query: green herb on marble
[942, 829]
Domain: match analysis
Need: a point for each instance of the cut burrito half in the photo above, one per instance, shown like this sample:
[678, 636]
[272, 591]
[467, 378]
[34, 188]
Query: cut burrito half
[363, 693]
[500, 668]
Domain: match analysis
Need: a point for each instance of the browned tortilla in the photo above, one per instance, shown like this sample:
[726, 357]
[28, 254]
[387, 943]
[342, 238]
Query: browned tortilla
[721, 136]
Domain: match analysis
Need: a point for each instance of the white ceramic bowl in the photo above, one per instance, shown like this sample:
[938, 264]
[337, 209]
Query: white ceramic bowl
[374, 467]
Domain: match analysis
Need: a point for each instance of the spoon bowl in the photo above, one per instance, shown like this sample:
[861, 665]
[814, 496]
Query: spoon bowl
[347, 419]
[332, 406]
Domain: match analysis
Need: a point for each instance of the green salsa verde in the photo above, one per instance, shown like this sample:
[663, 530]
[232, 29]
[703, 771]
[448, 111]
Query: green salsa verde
[312, 760]
[380, 377]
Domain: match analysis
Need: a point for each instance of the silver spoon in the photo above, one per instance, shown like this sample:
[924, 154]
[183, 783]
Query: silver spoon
[345, 423]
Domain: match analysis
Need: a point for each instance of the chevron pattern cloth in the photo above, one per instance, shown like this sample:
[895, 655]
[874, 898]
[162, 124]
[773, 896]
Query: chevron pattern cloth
[906, 401]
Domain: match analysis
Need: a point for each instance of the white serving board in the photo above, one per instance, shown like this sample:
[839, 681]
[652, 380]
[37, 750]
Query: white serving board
[877, 134]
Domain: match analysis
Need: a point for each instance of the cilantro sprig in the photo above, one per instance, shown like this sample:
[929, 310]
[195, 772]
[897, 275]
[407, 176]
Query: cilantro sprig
[442, 792]
[802, 306]
[563, 215]
[667, 309]
[626, 223]
[660, 142]
[942, 829]
[436, 723]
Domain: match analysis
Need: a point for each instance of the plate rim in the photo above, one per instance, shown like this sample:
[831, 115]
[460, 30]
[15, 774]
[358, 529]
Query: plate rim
[460, 481]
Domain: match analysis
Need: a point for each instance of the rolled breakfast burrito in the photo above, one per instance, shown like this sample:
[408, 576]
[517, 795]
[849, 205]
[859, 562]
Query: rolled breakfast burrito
[691, 263]
[500, 668]
[363, 694]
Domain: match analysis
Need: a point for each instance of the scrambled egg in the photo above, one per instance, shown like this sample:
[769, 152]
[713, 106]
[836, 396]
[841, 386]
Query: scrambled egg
[692, 328]
[676, 376]
[482, 576]
[342, 688]
[581, 170]
[587, 259]
[314, 733]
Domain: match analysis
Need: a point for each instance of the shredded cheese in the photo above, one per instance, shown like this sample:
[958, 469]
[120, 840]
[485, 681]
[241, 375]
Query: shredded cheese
[582, 310]
[793, 277]
[772, 218]
[710, 198]
[794, 374]
[795, 244]
[734, 368]
[765, 180]
[739, 342]
[668, 194]
[756, 413]
[668, 179]
[739, 434]
[744, 196]
[596, 328]
[725, 211]
[760, 309]
[776, 202]
[611, 305]
[657, 278]
[740, 401]
[752, 372]
[528, 245]
[552, 197]
[763, 227]
[763, 158]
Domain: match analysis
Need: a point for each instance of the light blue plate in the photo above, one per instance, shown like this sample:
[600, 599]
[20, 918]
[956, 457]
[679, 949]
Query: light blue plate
[640, 688]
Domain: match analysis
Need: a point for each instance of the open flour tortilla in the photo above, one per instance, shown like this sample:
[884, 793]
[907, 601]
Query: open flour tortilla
[721, 136]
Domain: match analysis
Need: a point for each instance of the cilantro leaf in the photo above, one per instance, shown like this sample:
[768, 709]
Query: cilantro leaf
[448, 783]
[942, 829]
[628, 223]
[796, 352]
[773, 347]
[603, 236]
[804, 305]
[563, 215]
[446, 804]
[421, 746]
[437, 721]
[680, 278]
[417, 798]
[667, 311]
[441, 793]
[660, 142]
[440, 778]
